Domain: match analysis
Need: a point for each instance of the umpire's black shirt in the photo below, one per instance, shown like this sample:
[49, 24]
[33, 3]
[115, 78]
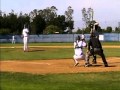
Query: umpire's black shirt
[94, 43]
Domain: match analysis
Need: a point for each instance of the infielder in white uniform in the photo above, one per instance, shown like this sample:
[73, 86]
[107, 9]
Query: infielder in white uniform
[25, 38]
[78, 46]
[13, 39]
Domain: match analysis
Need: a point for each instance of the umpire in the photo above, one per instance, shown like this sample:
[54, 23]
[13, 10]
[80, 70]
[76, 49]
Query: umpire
[95, 48]
[94, 29]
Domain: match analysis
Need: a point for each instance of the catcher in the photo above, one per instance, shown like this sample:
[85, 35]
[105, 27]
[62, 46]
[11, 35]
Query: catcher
[78, 49]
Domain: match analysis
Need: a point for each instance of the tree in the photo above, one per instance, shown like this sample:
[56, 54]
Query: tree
[39, 25]
[12, 19]
[49, 14]
[33, 14]
[21, 21]
[87, 16]
[1, 19]
[117, 30]
[79, 31]
[109, 29]
[87, 30]
[51, 29]
[69, 18]
[103, 31]
[59, 21]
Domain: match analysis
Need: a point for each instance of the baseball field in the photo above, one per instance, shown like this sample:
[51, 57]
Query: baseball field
[50, 66]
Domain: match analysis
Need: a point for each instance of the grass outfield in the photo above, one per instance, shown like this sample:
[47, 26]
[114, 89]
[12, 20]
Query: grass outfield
[53, 44]
[37, 53]
[48, 53]
[79, 81]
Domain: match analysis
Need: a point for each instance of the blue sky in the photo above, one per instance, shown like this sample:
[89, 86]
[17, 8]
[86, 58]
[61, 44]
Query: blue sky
[106, 12]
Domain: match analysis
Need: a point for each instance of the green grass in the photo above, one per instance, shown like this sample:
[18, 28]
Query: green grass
[36, 44]
[38, 53]
[47, 53]
[112, 52]
[79, 81]
[110, 43]
[53, 44]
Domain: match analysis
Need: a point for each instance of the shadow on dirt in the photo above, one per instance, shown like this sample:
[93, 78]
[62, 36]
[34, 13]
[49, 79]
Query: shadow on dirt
[103, 65]
[36, 50]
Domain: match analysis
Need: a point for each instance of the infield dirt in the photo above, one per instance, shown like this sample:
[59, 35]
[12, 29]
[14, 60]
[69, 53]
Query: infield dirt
[58, 66]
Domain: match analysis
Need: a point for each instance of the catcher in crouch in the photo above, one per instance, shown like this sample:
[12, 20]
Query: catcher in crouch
[79, 44]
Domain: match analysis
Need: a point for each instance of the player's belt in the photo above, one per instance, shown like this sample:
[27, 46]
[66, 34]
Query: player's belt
[78, 47]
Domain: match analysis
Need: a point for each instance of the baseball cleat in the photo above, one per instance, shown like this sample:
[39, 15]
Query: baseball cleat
[106, 65]
[87, 65]
[94, 62]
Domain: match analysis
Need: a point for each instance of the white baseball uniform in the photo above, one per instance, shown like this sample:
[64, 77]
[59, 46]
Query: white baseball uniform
[79, 55]
[13, 39]
[25, 38]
